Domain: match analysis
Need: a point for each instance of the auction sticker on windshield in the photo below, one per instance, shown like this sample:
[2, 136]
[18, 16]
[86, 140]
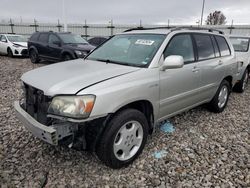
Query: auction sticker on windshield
[144, 42]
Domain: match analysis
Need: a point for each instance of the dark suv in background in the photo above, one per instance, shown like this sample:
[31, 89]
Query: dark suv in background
[54, 46]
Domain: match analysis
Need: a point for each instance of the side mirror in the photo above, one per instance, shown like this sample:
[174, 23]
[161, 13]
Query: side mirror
[58, 43]
[173, 62]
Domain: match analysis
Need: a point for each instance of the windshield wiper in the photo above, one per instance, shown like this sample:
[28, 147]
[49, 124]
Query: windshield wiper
[117, 62]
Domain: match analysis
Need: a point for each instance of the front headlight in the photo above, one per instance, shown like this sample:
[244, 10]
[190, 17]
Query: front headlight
[16, 45]
[72, 106]
[78, 53]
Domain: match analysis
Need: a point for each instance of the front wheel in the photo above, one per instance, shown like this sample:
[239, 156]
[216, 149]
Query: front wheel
[219, 101]
[241, 86]
[66, 57]
[10, 53]
[123, 139]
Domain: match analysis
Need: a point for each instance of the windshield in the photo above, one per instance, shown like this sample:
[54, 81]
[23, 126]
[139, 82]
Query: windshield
[129, 49]
[16, 38]
[72, 39]
[240, 44]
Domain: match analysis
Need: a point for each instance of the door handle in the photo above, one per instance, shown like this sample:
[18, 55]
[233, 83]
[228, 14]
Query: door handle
[195, 69]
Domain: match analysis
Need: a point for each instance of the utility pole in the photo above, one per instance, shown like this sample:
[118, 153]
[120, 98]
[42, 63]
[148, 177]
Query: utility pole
[202, 11]
[64, 16]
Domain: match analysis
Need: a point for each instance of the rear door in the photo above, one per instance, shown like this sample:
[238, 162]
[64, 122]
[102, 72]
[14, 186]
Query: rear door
[54, 47]
[210, 64]
[42, 45]
[178, 87]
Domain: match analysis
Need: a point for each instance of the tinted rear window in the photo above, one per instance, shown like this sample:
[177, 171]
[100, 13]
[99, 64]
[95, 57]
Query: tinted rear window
[223, 46]
[43, 37]
[204, 47]
[34, 37]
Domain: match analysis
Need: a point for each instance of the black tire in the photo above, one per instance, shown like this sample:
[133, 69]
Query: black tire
[33, 56]
[9, 52]
[67, 57]
[104, 149]
[241, 86]
[214, 105]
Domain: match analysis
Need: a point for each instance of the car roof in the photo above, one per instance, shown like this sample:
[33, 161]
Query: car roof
[10, 35]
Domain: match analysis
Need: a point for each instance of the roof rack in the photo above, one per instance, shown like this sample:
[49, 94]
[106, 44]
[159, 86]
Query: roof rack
[146, 28]
[198, 28]
[176, 29]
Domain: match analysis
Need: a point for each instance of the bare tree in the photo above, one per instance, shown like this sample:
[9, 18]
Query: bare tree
[216, 18]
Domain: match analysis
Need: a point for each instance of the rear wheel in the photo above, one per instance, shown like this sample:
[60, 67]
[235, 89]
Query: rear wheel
[219, 102]
[241, 86]
[9, 51]
[33, 56]
[123, 139]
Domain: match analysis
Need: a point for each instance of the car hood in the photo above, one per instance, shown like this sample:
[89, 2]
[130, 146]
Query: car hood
[80, 47]
[21, 43]
[72, 76]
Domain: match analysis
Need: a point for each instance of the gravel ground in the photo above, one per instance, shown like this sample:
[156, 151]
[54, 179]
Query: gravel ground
[205, 150]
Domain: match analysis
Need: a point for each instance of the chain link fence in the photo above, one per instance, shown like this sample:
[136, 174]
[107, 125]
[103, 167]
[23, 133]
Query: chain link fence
[92, 30]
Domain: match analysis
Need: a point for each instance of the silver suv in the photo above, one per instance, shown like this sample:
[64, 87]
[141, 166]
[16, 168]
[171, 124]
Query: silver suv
[113, 99]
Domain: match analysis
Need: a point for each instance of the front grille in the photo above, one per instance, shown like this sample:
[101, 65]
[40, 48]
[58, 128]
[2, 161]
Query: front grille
[36, 104]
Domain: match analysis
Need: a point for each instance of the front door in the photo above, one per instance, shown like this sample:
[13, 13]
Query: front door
[178, 87]
[54, 47]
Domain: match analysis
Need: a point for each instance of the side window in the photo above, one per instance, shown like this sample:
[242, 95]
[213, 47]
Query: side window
[216, 48]
[3, 38]
[43, 38]
[34, 37]
[223, 46]
[181, 45]
[204, 46]
[53, 39]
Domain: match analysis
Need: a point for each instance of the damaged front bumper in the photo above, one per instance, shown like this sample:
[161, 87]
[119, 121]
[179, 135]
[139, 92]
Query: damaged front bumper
[50, 134]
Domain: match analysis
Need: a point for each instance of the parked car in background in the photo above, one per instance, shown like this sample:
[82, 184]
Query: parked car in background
[13, 45]
[110, 101]
[54, 46]
[242, 51]
[97, 41]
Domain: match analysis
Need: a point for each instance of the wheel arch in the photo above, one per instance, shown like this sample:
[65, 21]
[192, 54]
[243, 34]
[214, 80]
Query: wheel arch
[33, 48]
[66, 52]
[229, 78]
[143, 106]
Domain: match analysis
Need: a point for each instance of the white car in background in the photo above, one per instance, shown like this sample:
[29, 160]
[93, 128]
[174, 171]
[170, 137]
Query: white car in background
[13, 45]
[242, 51]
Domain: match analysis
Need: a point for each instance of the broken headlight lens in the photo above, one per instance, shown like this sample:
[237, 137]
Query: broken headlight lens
[72, 106]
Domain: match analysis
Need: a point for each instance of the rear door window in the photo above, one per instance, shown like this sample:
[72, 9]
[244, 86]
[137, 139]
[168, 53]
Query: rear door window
[223, 46]
[216, 48]
[43, 38]
[181, 45]
[34, 37]
[205, 47]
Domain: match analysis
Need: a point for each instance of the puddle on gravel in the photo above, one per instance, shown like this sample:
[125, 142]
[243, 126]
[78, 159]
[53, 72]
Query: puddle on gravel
[167, 127]
[160, 154]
